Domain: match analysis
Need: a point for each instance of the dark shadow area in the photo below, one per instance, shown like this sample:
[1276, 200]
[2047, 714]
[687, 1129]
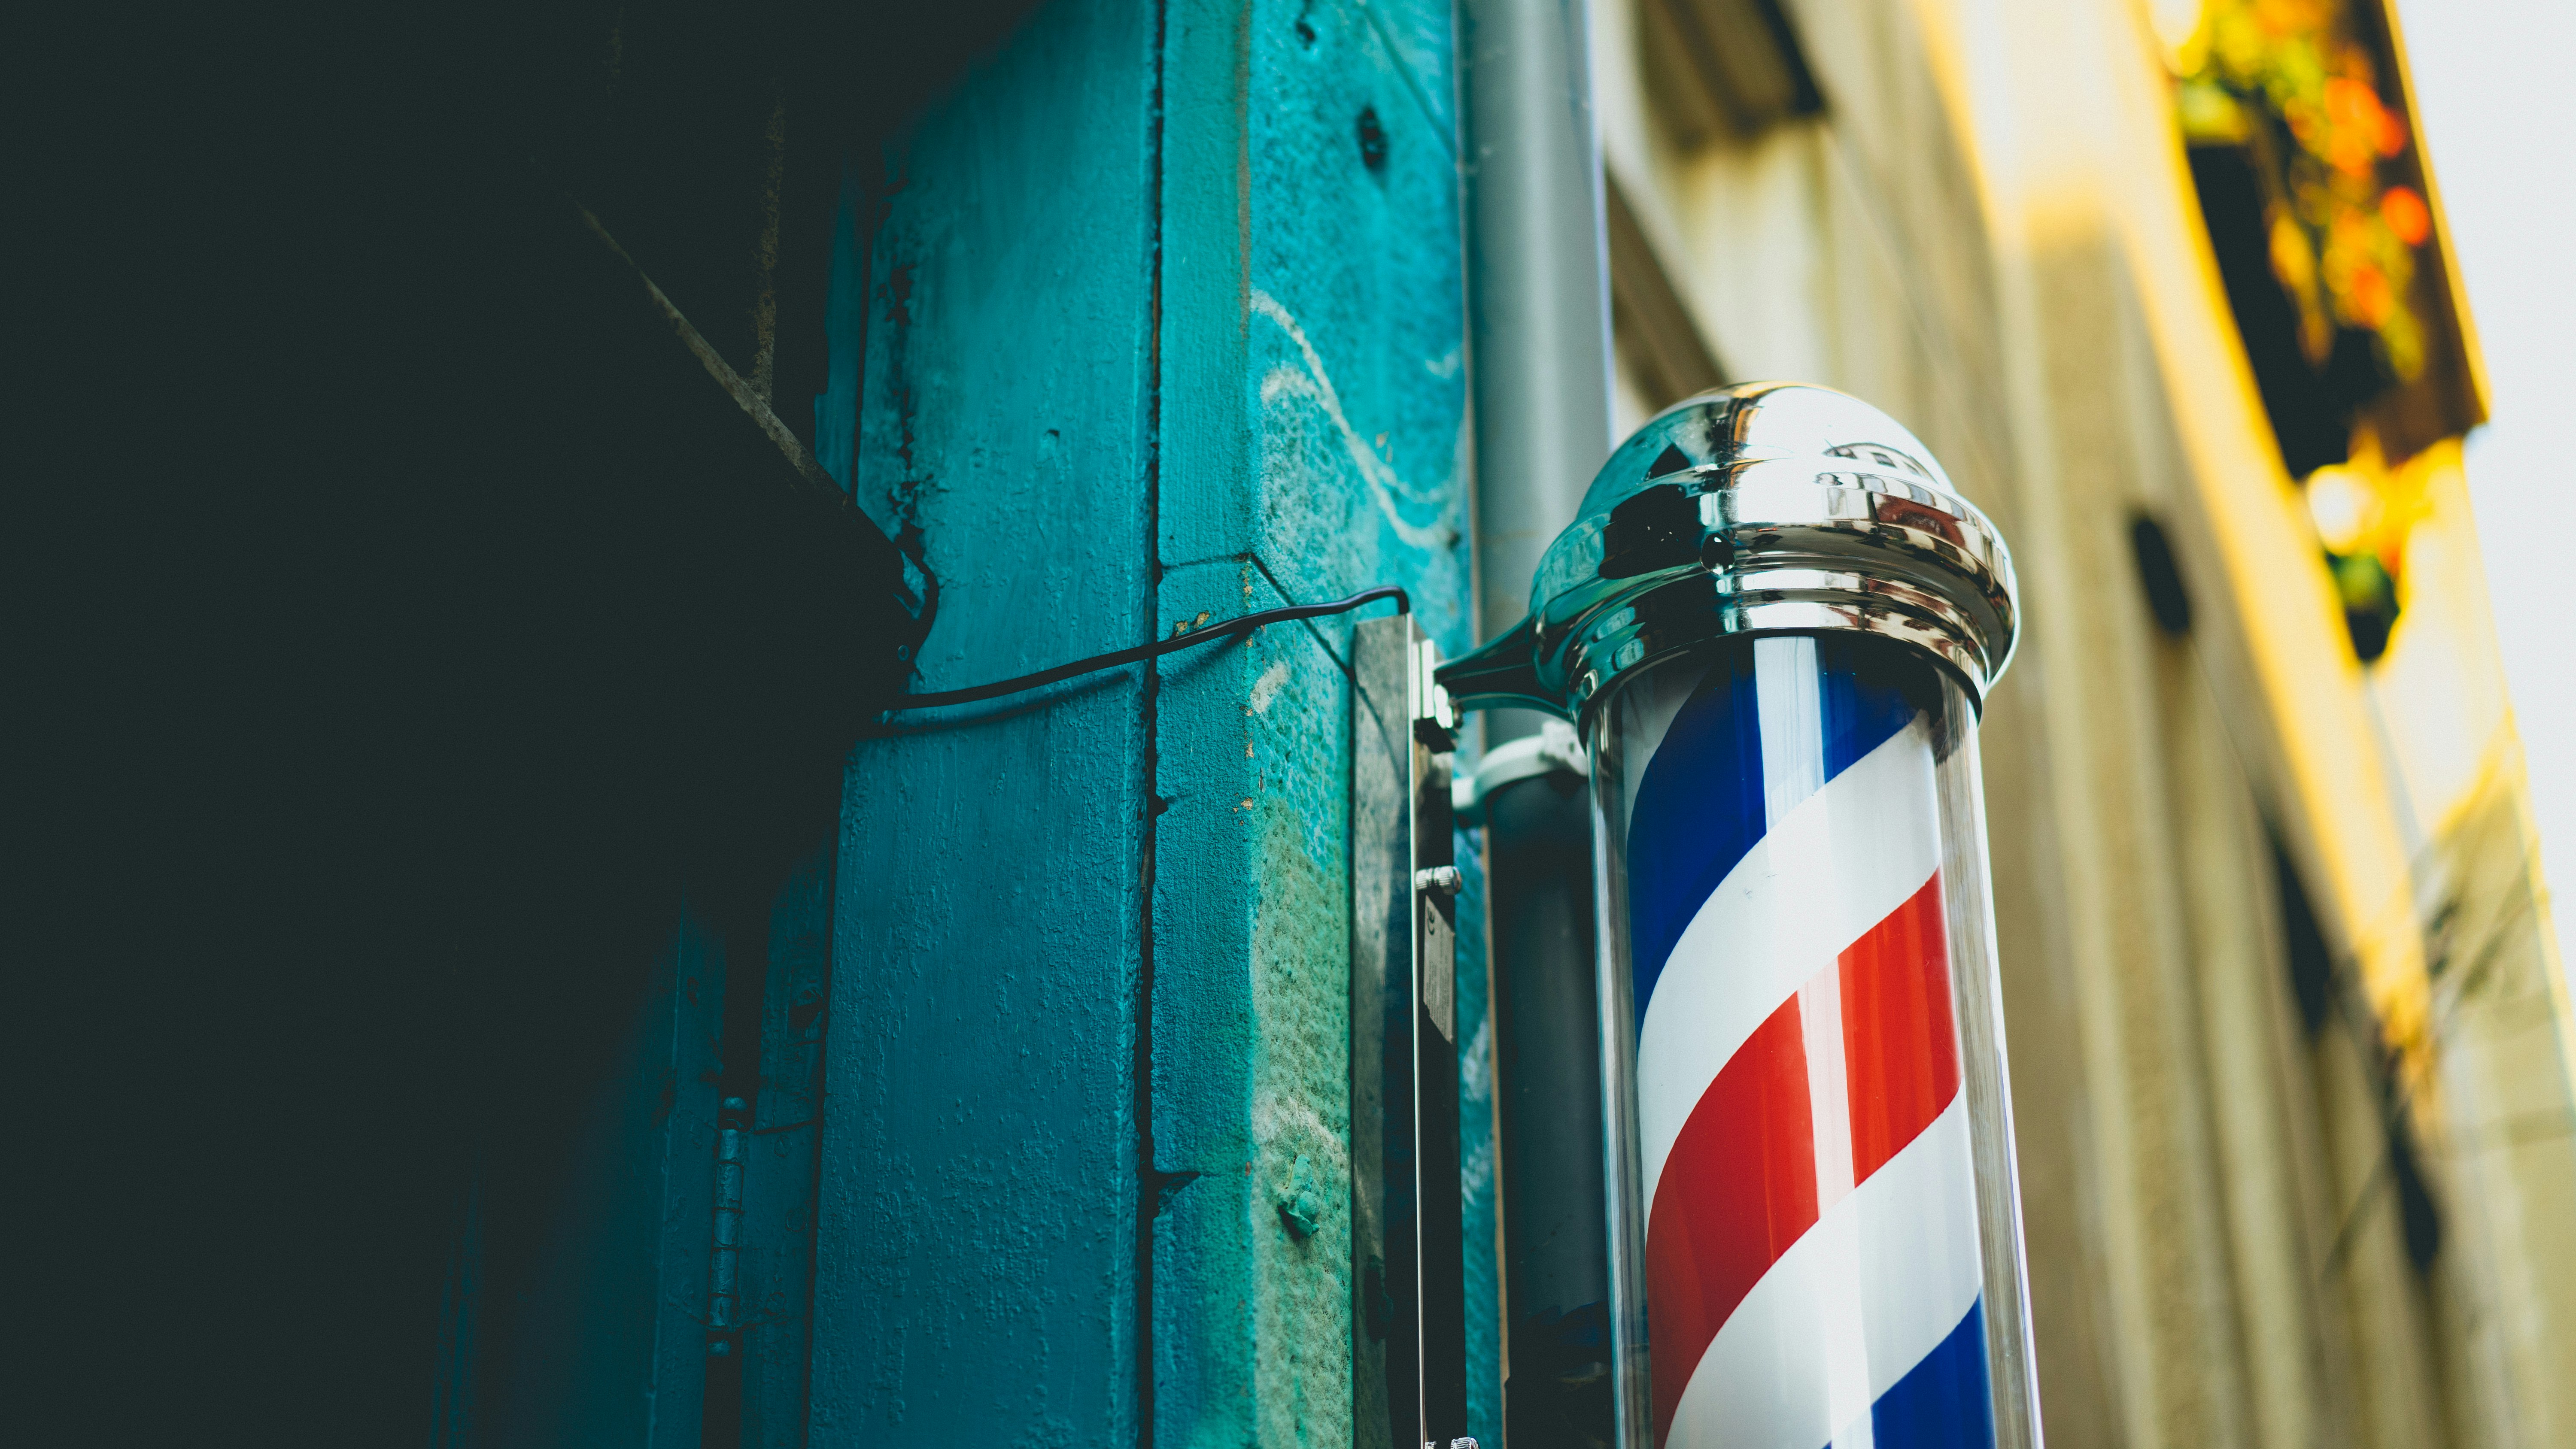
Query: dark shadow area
[403, 621]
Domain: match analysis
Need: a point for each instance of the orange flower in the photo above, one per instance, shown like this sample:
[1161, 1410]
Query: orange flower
[2352, 104]
[2370, 297]
[2356, 123]
[2406, 215]
[2392, 132]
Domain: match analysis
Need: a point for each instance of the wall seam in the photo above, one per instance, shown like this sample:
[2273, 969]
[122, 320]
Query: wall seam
[1149, 1179]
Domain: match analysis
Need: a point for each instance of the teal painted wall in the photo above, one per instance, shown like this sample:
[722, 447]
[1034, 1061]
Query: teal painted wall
[1161, 323]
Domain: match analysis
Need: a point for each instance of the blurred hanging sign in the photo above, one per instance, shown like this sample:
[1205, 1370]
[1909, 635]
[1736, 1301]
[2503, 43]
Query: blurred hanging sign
[2329, 242]
[2319, 206]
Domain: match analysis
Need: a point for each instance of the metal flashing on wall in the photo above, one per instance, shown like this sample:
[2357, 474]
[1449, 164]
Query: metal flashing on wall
[1408, 1314]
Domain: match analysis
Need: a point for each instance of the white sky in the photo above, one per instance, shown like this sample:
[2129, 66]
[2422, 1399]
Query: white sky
[2491, 83]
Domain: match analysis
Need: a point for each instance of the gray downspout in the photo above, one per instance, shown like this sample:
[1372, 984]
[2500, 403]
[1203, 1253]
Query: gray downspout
[1539, 326]
[1538, 295]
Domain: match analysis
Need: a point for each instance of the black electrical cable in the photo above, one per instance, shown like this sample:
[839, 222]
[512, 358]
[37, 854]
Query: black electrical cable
[1206, 634]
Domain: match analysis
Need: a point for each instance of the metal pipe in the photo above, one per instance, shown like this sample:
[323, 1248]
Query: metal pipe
[1539, 329]
[1538, 294]
[1548, 1077]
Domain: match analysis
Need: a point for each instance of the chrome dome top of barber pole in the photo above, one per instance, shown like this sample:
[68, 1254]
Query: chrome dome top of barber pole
[1763, 508]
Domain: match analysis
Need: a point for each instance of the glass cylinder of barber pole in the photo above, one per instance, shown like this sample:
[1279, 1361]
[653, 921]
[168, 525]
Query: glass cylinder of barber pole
[1775, 623]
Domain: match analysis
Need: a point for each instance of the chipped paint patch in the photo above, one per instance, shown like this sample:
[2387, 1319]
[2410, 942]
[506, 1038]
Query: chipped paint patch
[1476, 1063]
[1266, 688]
[1316, 385]
[1277, 1119]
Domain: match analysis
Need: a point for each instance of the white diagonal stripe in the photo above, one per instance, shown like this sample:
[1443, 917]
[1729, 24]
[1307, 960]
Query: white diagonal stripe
[1874, 1286]
[1836, 865]
[1789, 701]
[1839, 1330]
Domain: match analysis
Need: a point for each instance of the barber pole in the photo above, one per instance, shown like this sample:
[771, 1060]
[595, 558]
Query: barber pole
[1776, 622]
[1813, 1273]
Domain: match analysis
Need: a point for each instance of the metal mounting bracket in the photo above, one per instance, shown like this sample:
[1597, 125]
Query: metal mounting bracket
[1555, 749]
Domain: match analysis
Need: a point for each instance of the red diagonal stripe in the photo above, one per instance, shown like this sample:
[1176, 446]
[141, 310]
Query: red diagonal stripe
[1740, 1184]
[1738, 1189]
[1899, 1046]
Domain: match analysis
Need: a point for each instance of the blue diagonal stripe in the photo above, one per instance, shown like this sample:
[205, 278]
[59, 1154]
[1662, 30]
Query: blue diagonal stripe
[1942, 1402]
[1700, 805]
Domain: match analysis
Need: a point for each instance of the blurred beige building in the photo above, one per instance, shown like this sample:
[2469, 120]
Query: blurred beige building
[2289, 1039]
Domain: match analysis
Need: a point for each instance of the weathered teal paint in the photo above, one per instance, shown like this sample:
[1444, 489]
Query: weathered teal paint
[1314, 410]
[676, 1080]
[1478, 1148]
[779, 1180]
[610, 1342]
[1152, 338]
[976, 1255]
